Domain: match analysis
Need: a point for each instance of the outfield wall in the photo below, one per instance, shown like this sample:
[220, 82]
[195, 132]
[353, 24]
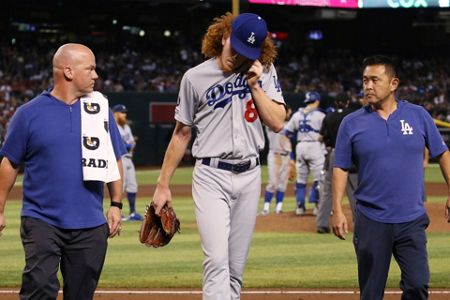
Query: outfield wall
[152, 122]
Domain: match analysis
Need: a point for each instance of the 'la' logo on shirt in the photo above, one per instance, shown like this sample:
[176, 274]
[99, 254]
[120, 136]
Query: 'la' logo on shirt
[406, 128]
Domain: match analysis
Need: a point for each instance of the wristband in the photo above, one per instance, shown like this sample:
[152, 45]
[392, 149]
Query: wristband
[117, 204]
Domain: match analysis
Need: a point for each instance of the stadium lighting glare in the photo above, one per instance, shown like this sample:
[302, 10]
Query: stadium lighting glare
[141, 33]
[167, 33]
[444, 3]
[13, 41]
[114, 21]
[49, 30]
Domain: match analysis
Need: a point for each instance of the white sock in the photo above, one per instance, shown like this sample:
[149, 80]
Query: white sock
[266, 206]
[279, 206]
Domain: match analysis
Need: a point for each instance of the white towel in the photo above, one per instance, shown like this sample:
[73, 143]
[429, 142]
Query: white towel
[98, 159]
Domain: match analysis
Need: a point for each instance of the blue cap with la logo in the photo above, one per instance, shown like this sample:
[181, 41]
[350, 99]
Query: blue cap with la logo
[248, 32]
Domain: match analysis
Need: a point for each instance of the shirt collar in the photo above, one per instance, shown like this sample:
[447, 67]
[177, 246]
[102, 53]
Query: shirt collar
[368, 108]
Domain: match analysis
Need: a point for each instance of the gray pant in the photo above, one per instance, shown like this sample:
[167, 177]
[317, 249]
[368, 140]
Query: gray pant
[325, 202]
[129, 173]
[310, 160]
[226, 204]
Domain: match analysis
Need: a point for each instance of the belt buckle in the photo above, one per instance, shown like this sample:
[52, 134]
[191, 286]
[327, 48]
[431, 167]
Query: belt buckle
[241, 167]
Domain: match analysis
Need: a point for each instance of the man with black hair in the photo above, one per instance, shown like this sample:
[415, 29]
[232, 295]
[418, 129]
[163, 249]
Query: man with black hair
[387, 139]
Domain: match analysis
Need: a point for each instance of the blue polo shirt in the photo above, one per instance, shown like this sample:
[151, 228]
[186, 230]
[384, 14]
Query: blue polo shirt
[45, 135]
[389, 155]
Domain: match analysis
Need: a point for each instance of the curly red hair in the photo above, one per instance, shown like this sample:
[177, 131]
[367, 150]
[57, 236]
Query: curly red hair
[221, 27]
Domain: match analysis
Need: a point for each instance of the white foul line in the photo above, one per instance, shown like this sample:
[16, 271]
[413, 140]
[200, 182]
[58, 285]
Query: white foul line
[256, 292]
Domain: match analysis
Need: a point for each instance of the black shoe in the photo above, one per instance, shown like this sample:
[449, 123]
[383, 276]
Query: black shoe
[323, 230]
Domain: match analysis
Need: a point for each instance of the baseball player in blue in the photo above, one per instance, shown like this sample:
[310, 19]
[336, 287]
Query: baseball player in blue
[386, 140]
[226, 99]
[278, 164]
[129, 171]
[305, 125]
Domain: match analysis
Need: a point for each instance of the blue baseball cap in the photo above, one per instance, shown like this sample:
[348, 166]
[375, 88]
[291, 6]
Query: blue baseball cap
[312, 97]
[119, 108]
[248, 32]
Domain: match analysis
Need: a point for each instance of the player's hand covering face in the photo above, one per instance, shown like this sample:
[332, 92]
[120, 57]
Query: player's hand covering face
[231, 61]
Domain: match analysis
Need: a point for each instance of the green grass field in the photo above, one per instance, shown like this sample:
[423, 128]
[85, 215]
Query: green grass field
[183, 175]
[292, 260]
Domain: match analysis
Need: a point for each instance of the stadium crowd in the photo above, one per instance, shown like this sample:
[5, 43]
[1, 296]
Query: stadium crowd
[25, 73]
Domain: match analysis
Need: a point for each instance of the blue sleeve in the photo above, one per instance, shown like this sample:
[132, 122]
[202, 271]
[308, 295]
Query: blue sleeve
[289, 134]
[116, 139]
[291, 128]
[433, 138]
[343, 149]
[15, 145]
[128, 146]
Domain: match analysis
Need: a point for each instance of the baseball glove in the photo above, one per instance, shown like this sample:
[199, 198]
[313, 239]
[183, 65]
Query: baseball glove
[157, 231]
[292, 170]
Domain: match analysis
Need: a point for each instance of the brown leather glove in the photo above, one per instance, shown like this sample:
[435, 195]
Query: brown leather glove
[157, 231]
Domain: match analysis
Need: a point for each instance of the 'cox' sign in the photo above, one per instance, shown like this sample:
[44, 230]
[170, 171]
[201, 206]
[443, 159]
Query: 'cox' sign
[407, 3]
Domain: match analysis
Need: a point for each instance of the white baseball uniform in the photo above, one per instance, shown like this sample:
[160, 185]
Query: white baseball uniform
[227, 178]
[310, 153]
[129, 171]
[278, 161]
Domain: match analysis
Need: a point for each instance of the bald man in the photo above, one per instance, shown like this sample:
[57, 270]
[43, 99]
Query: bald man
[62, 220]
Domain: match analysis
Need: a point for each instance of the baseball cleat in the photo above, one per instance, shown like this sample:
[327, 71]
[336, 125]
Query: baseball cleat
[315, 210]
[133, 217]
[300, 211]
[323, 230]
[264, 213]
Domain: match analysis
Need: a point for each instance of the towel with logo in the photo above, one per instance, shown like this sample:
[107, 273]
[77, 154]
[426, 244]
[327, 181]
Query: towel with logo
[98, 158]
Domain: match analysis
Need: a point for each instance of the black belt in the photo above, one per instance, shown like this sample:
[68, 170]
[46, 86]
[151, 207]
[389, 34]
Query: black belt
[308, 141]
[235, 168]
[281, 153]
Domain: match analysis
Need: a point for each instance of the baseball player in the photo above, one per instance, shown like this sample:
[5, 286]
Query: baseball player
[278, 163]
[129, 172]
[306, 124]
[226, 99]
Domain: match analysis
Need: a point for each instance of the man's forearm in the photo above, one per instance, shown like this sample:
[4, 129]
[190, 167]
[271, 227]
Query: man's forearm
[115, 190]
[444, 163]
[271, 113]
[338, 188]
[175, 151]
[8, 176]
[115, 187]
